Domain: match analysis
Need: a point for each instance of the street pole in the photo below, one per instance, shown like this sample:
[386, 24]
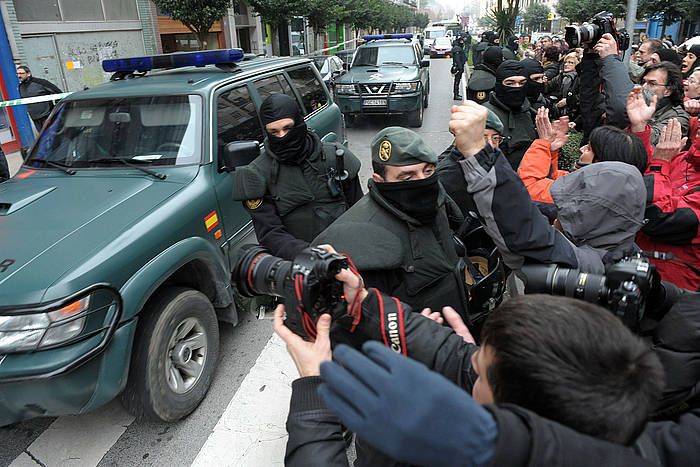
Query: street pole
[629, 26]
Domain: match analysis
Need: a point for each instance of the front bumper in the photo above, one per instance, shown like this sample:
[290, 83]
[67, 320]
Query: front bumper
[394, 104]
[70, 379]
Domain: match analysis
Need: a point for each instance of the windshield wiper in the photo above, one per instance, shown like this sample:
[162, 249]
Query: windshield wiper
[394, 63]
[364, 64]
[111, 160]
[58, 165]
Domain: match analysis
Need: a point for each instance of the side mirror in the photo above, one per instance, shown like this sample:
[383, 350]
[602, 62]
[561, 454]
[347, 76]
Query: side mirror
[424, 63]
[239, 153]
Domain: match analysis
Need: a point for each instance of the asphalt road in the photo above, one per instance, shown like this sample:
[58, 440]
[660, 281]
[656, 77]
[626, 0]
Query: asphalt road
[130, 442]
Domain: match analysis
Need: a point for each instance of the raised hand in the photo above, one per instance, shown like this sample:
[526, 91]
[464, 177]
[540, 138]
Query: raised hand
[556, 133]
[606, 46]
[467, 124]
[638, 111]
[307, 356]
[670, 142]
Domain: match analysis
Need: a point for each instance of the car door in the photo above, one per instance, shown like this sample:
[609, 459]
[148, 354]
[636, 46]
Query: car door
[236, 119]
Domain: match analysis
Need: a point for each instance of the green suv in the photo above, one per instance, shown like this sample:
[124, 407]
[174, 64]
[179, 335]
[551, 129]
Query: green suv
[388, 76]
[118, 234]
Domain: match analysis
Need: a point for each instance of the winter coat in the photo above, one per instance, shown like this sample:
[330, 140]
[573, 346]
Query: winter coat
[33, 87]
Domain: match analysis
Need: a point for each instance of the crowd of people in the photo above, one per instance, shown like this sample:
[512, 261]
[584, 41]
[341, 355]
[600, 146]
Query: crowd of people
[439, 354]
[434, 364]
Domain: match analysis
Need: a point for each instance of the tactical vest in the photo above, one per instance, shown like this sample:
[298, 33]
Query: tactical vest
[301, 192]
[426, 260]
[480, 85]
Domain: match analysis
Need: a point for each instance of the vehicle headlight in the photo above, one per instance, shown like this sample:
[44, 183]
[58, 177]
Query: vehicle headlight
[21, 333]
[345, 89]
[406, 87]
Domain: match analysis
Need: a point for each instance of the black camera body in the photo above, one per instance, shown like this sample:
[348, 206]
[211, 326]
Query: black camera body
[588, 35]
[307, 284]
[623, 289]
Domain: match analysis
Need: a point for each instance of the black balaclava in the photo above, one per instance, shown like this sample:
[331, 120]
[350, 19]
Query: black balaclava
[298, 143]
[490, 37]
[416, 198]
[492, 57]
[533, 88]
[513, 43]
[511, 97]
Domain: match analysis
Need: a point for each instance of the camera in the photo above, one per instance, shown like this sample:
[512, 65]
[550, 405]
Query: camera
[588, 35]
[307, 284]
[623, 289]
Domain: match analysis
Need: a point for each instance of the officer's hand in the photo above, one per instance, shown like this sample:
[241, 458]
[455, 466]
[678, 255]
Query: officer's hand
[606, 46]
[353, 288]
[307, 356]
[432, 315]
[467, 124]
[457, 324]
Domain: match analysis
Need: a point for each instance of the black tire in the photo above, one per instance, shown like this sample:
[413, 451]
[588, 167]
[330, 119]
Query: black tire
[425, 99]
[415, 118]
[349, 120]
[149, 392]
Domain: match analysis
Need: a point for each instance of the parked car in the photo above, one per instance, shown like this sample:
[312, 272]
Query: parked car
[330, 67]
[119, 233]
[388, 77]
[442, 47]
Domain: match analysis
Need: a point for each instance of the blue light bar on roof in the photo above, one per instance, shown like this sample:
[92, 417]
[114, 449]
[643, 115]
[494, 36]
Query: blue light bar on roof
[174, 60]
[376, 37]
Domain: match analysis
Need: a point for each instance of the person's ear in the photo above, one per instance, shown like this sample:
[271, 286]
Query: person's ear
[377, 178]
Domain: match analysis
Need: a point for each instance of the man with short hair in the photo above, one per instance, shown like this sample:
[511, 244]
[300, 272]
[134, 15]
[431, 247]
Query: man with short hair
[292, 191]
[29, 86]
[647, 49]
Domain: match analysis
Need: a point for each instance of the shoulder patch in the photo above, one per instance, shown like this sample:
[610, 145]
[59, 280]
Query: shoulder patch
[253, 204]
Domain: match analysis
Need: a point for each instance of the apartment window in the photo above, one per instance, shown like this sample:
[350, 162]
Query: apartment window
[37, 10]
[75, 10]
[82, 10]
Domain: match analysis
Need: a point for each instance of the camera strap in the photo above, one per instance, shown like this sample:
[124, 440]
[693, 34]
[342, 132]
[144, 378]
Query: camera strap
[392, 319]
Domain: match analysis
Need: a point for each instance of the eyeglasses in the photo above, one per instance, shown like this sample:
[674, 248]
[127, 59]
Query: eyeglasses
[494, 139]
[653, 84]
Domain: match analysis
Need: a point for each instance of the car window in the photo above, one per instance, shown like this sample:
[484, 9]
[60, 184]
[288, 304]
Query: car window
[443, 41]
[273, 85]
[150, 130]
[236, 117]
[377, 56]
[313, 96]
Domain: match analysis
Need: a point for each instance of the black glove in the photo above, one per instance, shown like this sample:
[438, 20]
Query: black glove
[406, 411]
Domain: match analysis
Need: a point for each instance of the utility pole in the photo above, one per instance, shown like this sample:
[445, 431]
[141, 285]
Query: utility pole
[629, 25]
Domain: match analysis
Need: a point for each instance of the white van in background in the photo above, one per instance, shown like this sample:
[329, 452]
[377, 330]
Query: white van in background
[432, 33]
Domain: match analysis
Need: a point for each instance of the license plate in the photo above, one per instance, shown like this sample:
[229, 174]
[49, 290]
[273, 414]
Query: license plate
[374, 102]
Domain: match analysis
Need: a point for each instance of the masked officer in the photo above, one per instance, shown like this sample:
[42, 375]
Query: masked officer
[399, 234]
[509, 102]
[291, 190]
[483, 79]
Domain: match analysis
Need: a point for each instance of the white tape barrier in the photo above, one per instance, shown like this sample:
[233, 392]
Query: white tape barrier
[319, 52]
[34, 100]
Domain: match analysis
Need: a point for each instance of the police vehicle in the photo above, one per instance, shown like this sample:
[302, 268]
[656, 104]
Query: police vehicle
[388, 76]
[119, 232]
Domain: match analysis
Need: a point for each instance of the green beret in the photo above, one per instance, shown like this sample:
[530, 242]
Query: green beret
[493, 122]
[400, 146]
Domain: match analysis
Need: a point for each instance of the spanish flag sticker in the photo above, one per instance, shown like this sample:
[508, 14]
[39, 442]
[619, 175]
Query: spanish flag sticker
[211, 221]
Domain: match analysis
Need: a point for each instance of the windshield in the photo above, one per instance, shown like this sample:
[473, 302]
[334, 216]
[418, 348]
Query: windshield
[321, 64]
[435, 34]
[151, 130]
[375, 56]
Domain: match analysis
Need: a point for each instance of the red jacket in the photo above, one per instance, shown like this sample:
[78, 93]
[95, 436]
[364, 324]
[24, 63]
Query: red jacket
[672, 213]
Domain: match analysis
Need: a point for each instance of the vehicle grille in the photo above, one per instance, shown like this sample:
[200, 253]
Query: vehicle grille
[375, 88]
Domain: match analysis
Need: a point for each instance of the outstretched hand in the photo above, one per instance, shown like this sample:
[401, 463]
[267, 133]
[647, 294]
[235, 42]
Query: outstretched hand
[307, 356]
[557, 133]
[638, 111]
[670, 142]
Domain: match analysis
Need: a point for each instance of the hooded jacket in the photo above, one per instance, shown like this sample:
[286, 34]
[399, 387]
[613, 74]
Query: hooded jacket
[600, 208]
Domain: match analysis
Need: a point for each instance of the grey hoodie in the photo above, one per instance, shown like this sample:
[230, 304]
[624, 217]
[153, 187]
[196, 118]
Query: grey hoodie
[601, 206]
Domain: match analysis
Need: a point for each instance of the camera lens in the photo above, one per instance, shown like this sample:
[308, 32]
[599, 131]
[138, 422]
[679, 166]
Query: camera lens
[256, 272]
[577, 36]
[552, 279]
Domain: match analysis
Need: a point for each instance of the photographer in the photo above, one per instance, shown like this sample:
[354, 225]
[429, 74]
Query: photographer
[662, 80]
[525, 359]
[599, 208]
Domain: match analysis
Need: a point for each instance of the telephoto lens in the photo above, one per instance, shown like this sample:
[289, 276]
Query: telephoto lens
[578, 36]
[555, 280]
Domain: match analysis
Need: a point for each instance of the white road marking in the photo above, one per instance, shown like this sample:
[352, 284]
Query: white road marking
[251, 431]
[80, 440]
